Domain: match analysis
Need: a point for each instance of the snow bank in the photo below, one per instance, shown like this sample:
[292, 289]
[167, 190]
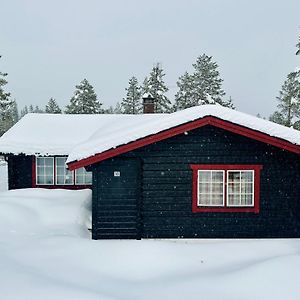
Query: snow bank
[46, 253]
[41, 212]
[118, 134]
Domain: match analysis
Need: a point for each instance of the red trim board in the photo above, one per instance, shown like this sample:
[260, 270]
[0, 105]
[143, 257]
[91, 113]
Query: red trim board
[238, 129]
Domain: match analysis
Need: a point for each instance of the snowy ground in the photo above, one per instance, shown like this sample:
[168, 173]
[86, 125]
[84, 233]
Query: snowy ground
[46, 253]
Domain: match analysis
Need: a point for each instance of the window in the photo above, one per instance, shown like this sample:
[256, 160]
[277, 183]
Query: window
[45, 170]
[53, 171]
[211, 188]
[226, 188]
[63, 175]
[83, 177]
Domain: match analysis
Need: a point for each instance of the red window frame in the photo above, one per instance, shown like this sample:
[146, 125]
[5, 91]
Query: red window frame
[225, 208]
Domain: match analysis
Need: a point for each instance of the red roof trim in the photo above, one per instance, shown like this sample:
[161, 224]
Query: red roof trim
[241, 130]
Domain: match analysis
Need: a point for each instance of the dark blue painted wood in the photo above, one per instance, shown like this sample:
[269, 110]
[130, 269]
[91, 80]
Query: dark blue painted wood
[116, 200]
[19, 172]
[166, 196]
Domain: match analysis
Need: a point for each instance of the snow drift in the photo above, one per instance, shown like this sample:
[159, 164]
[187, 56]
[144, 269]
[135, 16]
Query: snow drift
[46, 253]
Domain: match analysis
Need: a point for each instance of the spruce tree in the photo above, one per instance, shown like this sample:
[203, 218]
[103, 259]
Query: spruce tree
[298, 47]
[84, 100]
[203, 86]
[38, 110]
[31, 109]
[24, 111]
[288, 112]
[117, 109]
[6, 104]
[15, 112]
[131, 104]
[155, 85]
[52, 107]
[184, 96]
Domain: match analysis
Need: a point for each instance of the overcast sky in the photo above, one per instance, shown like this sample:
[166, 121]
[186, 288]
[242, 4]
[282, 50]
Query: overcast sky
[48, 47]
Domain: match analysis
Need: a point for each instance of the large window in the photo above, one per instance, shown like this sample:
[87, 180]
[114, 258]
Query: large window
[226, 188]
[53, 171]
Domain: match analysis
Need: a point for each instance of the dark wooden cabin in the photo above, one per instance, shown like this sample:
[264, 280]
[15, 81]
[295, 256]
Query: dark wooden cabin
[208, 178]
[204, 172]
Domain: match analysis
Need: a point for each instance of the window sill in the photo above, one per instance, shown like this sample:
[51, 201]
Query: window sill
[197, 209]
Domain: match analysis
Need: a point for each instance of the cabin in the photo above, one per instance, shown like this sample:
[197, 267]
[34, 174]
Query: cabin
[203, 172]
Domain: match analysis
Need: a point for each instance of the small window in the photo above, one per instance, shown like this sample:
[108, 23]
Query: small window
[211, 188]
[45, 170]
[226, 188]
[83, 177]
[63, 175]
[240, 188]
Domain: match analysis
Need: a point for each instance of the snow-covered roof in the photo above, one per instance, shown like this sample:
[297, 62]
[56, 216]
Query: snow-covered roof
[58, 134]
[83, 136]
[119, 134]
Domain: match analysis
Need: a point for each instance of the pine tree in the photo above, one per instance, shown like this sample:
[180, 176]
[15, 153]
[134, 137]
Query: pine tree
[131, 104]
[6, 103]
[24, 112]
[155, 85]
[84, 100]
[288, 112]
[31, 109]
[52, 107]
[203, 86]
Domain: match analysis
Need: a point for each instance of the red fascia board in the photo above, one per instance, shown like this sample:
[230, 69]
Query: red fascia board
[209, 120]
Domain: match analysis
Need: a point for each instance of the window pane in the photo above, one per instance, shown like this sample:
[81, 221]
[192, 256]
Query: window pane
[204, 199]
[204, 176]
[217, 188]
[49, 179]
[217, 176]
[48, 161]
[246, 199]
[247, 176]
[204, 188]
[246, 188]
[233, 200]
[40, 180]
[233, 188]
[233, 176]
[217, 200]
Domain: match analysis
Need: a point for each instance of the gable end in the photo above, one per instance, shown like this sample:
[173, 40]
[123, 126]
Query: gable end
[209, 120]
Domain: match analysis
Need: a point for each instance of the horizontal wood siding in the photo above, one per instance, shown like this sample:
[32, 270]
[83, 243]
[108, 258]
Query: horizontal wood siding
[19, 172]
[116, 200]
[167, 187]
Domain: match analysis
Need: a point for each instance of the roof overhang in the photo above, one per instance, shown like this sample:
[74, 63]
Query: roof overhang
[208, 120]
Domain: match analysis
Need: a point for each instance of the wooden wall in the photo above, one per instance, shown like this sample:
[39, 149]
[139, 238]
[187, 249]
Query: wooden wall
[166, 188]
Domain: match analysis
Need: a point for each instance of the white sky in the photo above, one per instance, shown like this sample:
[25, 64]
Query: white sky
[50, 46]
